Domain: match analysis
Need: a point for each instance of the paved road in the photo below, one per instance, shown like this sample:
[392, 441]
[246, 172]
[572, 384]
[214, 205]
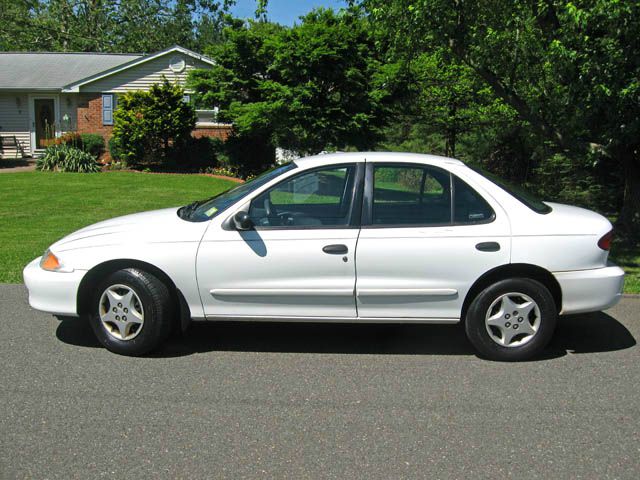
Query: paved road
[317, 401]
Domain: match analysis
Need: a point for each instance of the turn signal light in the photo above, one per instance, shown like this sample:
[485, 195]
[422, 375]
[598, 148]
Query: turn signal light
[50, 262]
[605, 242]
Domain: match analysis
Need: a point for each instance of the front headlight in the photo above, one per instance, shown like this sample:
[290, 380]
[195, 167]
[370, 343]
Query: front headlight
[52, 263]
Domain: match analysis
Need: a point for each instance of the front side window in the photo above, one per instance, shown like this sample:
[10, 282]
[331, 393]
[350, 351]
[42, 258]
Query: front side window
[411, 195]
[319, 198]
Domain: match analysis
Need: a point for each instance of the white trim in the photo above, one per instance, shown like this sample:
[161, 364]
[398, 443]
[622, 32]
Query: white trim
[251, 318]
[32, 121]
[403, 292]
[75, 87]
[273, 292]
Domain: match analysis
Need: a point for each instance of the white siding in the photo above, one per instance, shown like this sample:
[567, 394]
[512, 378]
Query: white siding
[142, 76]
[14, 120]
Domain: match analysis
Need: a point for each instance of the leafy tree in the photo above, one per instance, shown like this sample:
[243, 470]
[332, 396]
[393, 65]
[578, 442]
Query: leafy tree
[307, 88]
[148, 125]
[109, 25]
[570, 71]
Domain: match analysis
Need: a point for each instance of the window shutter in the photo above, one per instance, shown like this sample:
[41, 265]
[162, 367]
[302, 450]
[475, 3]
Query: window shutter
[107, 109]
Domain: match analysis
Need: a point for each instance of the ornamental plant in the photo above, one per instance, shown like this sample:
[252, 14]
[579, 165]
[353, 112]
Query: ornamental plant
[149, 125]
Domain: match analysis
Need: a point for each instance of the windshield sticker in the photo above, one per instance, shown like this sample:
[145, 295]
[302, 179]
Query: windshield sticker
[211, 211]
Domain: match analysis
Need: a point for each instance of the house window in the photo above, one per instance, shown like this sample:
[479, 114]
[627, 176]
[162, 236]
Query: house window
[107, 108]
[186, 98]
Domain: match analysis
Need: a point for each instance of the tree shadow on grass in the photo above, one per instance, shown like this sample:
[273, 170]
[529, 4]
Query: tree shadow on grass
[587, 333]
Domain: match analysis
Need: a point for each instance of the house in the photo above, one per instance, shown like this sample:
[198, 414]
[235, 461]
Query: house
[43, 95]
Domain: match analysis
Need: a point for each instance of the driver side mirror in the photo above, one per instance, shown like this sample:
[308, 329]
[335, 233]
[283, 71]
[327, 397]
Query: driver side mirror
[242, 221]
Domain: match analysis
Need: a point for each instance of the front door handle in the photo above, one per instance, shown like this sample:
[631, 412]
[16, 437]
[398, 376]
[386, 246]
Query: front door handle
[335, 249]
[488, 246]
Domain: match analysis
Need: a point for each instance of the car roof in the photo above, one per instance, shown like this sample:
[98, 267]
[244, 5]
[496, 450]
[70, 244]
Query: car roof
[339, 157]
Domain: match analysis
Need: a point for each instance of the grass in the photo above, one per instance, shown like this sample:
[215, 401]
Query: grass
[38, 208]
[627, 255]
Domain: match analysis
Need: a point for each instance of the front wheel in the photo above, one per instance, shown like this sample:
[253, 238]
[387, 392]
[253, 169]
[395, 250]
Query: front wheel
[132, 312]
[511, 320]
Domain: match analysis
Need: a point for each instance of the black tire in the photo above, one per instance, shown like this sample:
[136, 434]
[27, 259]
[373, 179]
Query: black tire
[158, 313]
[477, 331]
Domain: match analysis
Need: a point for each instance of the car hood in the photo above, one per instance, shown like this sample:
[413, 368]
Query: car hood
[156, 226]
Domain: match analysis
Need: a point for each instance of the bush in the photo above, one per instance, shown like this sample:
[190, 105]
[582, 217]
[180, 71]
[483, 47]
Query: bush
[197, 153]
[66, 158]
[92, 143]
[115, 150]
[149, 126]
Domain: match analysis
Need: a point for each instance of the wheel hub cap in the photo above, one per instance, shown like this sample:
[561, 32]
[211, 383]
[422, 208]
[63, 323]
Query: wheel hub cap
[121, 312]
[513, 319]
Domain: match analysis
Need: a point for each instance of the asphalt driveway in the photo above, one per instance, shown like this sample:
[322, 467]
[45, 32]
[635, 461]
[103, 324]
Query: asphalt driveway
[317, 401]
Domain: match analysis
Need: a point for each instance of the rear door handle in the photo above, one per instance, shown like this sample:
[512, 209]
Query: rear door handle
[488, 246]
[335, 249]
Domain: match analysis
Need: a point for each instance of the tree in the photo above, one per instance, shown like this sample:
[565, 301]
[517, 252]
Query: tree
[149, 124]
[307, 88]
[109, 25]
[569, 70]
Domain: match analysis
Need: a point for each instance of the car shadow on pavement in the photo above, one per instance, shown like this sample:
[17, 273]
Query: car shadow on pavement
[587, 333]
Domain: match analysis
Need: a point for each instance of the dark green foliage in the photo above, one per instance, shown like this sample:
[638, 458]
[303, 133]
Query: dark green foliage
[307, 88]
[109, 25]
[149, 126]
[115, 149]
[92, 143]
[66, 158]
[198, 153]
[568, 73]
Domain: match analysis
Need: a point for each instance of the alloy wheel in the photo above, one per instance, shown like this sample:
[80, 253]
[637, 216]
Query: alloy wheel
[513, 319]
[121, 312]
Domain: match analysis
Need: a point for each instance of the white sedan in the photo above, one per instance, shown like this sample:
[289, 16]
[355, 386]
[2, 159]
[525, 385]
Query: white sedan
[364, 237]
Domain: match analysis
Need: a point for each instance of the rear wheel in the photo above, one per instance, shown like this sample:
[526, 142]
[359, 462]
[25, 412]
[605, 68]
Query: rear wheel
[511, 320]
[132, 312]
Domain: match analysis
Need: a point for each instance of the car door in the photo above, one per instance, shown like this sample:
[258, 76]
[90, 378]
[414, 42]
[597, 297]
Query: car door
[297, 260]
[426, 237]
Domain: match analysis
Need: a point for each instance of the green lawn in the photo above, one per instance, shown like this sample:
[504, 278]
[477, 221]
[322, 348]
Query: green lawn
[38, 208]
[627, 255]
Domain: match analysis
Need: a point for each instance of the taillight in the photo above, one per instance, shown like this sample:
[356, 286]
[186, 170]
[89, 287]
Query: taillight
[605, 242]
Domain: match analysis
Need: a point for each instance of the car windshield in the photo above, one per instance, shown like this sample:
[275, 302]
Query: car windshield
[204, 210]
[516, 191]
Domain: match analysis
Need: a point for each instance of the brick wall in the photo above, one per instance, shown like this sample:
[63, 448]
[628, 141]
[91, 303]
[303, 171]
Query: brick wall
[90, 116]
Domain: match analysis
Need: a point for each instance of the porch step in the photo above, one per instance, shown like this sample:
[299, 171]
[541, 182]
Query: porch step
[10, 147]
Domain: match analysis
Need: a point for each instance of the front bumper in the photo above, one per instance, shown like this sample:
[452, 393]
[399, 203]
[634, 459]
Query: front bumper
[53, 292]
[590, 290]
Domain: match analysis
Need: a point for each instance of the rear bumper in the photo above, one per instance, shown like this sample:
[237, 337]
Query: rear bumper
[590, 290]
[53, 292]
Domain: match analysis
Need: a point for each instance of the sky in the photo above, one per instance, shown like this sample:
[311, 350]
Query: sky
[285, 12]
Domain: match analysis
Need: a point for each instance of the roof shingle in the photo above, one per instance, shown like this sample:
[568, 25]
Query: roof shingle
[41, 71]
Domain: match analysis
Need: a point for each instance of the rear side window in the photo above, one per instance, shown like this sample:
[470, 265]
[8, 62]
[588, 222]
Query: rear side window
[469, 206]
[406, 195]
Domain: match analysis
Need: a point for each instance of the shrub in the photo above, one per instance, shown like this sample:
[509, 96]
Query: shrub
[149, 125]
[92, 143]
[197, 153]
[66, 158]
[115, 150]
